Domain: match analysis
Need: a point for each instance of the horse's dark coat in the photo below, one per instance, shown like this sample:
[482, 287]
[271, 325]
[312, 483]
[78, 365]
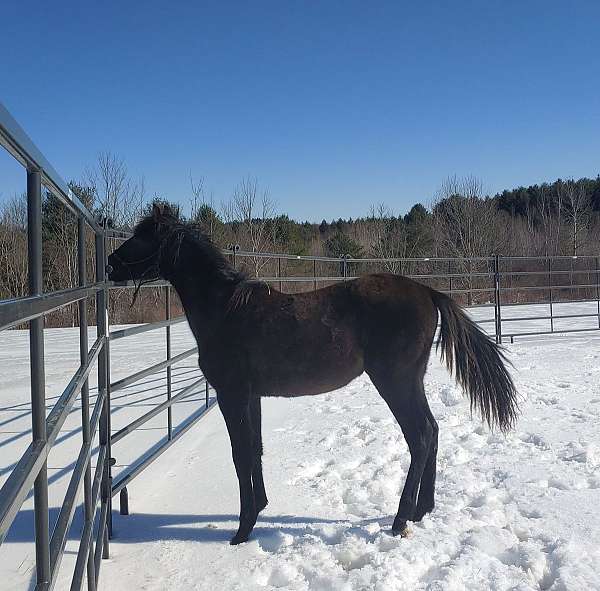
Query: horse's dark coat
[255, 341]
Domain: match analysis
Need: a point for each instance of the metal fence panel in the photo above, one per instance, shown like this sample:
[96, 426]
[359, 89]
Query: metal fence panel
[31, 470]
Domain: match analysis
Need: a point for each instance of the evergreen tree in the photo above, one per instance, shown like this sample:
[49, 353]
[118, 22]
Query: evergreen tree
[340, 244]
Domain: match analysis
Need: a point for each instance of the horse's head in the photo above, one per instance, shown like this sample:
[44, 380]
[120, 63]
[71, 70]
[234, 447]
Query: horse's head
[139, 257]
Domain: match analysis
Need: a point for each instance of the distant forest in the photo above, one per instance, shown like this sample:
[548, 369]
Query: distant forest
[460, 220]
[558, 218]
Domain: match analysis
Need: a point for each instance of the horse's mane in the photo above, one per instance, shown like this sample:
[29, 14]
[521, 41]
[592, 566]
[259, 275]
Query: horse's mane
[243, 292]
[172, 231]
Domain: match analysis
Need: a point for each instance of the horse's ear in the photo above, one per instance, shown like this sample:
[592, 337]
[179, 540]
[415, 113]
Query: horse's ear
[157, 211]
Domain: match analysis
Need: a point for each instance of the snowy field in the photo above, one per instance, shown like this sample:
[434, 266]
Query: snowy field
[516, 512]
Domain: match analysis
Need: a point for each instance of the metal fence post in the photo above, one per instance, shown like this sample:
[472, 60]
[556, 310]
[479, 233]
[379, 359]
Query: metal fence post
[315, 274]
[598, 289]
[470, 292]
[236, 247]
[497, 297]
[279, 271]
[551, 295]
[38, 381]
[169, 371]
[124, 501]
[111, 461]
[85, 396]
[103, 383]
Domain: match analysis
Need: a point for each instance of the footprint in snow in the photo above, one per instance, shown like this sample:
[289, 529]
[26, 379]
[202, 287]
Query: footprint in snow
[530, 513]
[558, 483]
[548, 400]
[272, 540]
[594, 482]
[534, 439]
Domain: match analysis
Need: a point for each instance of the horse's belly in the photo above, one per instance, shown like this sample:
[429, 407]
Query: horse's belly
[313, 376]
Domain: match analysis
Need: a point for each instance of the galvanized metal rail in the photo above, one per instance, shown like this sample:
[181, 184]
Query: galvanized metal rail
[31, 468]
[498, 285]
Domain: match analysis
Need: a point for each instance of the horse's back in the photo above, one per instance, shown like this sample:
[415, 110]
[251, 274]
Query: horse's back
[313, 342]
[379, 309]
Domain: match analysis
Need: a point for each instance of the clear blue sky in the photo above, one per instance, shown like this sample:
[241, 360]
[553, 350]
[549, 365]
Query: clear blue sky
[331, 105]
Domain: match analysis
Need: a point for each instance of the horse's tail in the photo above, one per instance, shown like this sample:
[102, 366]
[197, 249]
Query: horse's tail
[478, 363]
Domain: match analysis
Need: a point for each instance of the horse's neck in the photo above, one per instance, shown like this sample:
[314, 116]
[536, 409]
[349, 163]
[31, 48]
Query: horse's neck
[203, 290]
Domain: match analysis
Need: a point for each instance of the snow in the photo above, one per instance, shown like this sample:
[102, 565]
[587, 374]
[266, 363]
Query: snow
[512, 512]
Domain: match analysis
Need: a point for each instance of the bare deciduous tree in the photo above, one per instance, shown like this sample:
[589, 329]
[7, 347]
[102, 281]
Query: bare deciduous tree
[388, 237]
[576, 201]
[253, 210]
[550, 213]
[467, 225]
[203, 211]
[13, 247]
[198, 196]
[465, 219]
[61, 246]
[119, 197]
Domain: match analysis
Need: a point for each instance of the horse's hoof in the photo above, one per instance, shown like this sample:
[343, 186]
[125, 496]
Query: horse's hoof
[420, 513]
[238, 539]
[243, 532]
[403, 533]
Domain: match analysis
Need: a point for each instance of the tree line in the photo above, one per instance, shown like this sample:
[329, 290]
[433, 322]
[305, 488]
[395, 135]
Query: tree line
[461, 220]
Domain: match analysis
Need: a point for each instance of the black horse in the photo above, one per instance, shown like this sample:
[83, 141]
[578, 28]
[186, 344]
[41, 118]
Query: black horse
[255, 341]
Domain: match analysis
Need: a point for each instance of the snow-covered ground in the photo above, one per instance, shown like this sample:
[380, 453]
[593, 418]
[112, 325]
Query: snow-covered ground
[515, 512]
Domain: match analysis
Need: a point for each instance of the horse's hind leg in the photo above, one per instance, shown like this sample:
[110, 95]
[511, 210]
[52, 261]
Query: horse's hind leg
[404, 394]
[258, 484]
[426, 499]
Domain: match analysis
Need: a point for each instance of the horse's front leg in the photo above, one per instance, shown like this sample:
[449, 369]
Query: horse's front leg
[258, 484]
[236, 413]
